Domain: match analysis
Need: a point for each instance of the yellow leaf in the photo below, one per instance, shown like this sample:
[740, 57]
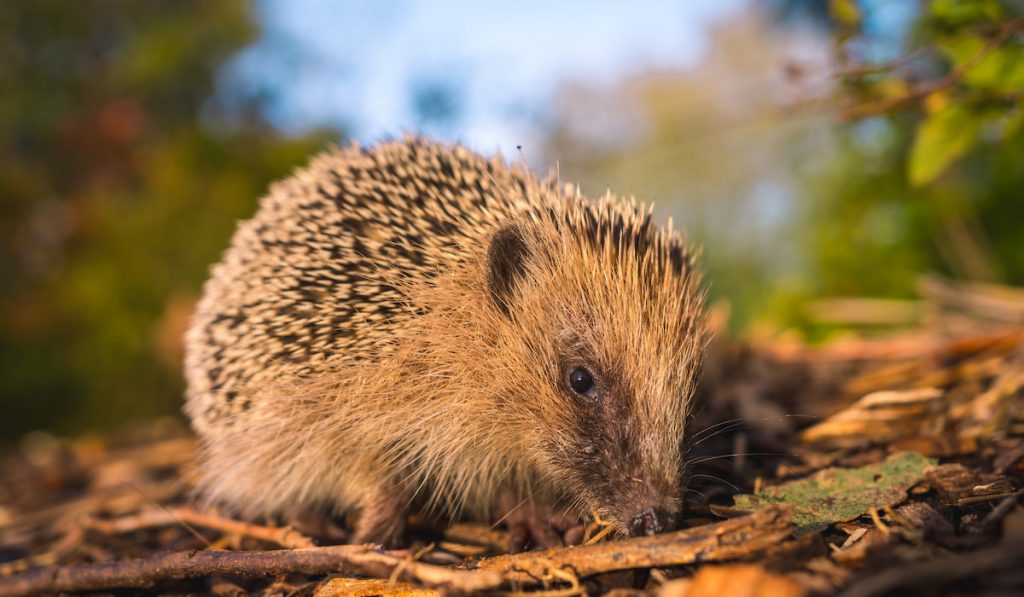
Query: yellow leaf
[936, 101]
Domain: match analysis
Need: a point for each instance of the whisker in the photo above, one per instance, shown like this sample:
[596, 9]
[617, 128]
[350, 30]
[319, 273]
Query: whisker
[733, 426]
[561, 519]
[511, 511]
[708, 458]
[716, 425]
[715, 478]
[692, 490]
[738, 422]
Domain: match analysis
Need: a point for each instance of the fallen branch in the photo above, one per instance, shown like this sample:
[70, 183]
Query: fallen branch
[727, 540]
[349, 559]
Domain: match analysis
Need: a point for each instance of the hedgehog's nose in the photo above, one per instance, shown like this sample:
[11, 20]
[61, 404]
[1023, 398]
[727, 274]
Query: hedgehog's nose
[650, 522]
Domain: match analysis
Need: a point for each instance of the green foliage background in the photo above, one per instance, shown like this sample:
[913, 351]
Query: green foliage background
[118, 191]
[125, 163]
[888, 171]
[940, 187]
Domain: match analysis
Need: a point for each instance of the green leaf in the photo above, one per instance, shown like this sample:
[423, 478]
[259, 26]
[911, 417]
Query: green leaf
[1001, 71]
[941, 139]
[957, 12]
[845, 13]
[838, 494]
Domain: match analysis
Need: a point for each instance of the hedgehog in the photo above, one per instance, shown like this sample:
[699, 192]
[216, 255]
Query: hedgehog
[415, 328]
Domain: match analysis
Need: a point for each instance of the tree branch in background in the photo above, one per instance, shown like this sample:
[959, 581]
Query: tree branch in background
[886, 105]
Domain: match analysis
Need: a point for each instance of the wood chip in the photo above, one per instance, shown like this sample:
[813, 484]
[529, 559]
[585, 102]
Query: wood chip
[960, 486]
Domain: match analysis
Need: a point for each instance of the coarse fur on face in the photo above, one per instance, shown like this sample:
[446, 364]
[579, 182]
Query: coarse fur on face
[463, 388]
[598, 289]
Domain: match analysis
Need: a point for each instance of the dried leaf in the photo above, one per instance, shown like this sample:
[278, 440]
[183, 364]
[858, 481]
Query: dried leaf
[882, 417]
[737, 580]
[836, 494]
[358, 587]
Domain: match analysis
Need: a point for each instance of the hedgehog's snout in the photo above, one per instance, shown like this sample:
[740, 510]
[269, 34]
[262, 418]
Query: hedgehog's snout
[649, 509]
[638, 511]
[652, 521]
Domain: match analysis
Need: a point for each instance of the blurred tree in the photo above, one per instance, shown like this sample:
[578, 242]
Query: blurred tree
[807, 176]
[928, 177]
[711, 145]
[121, 178]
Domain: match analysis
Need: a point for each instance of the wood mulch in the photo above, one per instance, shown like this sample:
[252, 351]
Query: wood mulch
[114, 514]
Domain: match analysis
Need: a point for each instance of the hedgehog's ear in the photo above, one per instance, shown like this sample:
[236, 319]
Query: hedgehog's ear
[506, 264]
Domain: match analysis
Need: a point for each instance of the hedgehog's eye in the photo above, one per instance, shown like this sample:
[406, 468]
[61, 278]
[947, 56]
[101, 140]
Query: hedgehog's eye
[581, 381]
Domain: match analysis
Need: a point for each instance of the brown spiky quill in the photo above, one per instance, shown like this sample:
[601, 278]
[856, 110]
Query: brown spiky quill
[398, 328]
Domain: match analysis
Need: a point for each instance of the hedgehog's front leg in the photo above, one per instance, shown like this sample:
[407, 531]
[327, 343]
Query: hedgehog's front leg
[382, 517]
[531, 523]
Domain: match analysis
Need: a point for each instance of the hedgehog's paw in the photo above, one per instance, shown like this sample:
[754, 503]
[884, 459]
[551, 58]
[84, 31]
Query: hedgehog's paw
[533, 524]
[382, 519]
[317, 523]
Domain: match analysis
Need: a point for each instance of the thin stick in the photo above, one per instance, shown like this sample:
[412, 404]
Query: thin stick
[600, 535]
[283, 536]
[352, 559]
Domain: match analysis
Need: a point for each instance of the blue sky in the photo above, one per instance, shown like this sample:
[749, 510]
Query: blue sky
[358, 63]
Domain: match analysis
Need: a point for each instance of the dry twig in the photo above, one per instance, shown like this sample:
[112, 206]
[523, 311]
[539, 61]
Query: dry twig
[730, 539]
[283, 536]
[353, 559]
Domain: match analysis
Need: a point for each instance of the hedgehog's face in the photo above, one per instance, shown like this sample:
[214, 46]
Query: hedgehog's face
[609, 341]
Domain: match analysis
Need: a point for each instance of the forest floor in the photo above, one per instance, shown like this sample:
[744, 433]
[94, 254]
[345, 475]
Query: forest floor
[872, 464]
